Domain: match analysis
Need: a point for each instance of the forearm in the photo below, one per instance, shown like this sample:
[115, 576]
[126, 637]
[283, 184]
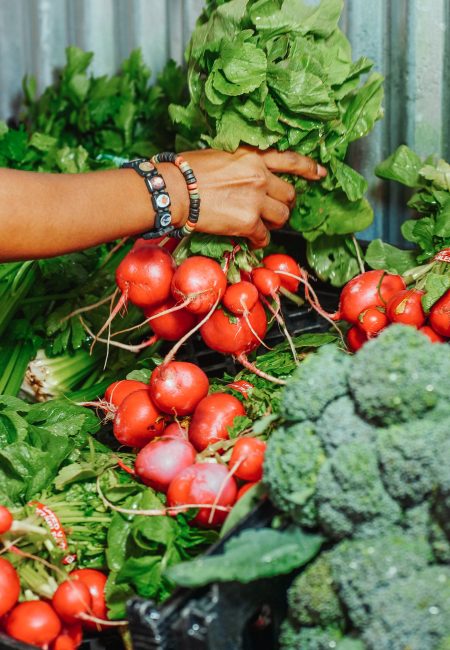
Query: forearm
[42, 215]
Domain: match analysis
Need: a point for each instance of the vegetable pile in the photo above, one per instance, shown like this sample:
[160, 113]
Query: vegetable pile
[280, 73]
[360, 457]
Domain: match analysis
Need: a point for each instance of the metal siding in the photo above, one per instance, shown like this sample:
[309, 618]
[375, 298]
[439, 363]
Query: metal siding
[409, 40]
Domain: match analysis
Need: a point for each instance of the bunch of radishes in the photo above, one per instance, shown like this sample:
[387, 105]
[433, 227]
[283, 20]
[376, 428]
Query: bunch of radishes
[182, 434]
[177, 301]
[374, 299]
[56, 623]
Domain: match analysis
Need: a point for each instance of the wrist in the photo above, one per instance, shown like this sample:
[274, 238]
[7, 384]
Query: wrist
[177, 189]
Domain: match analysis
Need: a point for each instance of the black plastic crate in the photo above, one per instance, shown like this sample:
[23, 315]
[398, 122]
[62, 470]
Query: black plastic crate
[222, 616]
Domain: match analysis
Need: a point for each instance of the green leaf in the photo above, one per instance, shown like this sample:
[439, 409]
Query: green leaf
[353, 184]
[402, 166]
[251, 555]
[380, 255]
[435, 286]
[232, 129]
[243, 507]
[364, 109]
[143, 374]
[243, 64]
[439, 174]
[302, 18]
[331, 260]
[442, 228]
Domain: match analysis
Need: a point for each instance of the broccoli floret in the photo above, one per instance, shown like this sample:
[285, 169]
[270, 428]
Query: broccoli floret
[292, 461]
[293, 637]
[312, 596]
[408, 458]
[350, 495]
[441, 502]
[399, 376]
[339, 424]
[320, 379]
[412, 613]
[360, 568]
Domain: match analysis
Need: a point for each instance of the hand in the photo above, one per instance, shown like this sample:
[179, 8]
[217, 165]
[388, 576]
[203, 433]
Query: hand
[240, 194]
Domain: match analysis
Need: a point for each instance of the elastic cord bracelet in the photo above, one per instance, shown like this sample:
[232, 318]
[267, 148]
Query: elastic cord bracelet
[191, 182]
[160, 197]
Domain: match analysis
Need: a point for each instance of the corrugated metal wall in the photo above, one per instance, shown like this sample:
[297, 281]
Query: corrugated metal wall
[408, 39]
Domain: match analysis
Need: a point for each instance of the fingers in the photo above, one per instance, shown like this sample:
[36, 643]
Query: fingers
[280, 190]
[274, 212]
[293, 163]
[260, 236]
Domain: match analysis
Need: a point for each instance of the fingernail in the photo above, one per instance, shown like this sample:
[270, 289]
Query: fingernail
[321, 171]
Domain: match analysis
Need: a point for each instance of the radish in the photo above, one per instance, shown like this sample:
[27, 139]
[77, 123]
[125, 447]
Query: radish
[95, 581]
[406, 307]
[169, 243]
[176, 430]
[6, 520]
[356, 338]
[245, 488]
[201, 282]
[204, 484]
[144, 276]
[240, 297]
[372, 320]
[161, 460]
[247, 458]
[64, 642]
[267, 281]
[440, 315]
[71, 600]
[211, 419]
[137, 420]
[116, 392]
[369, 289]
[177, 387]
[281, 263]
[172, 325]
[9, 586]
[432, 335]
[34, 622]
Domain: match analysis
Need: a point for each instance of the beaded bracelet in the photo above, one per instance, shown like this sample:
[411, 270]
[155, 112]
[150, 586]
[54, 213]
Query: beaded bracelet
[191, 182]
[160, 197]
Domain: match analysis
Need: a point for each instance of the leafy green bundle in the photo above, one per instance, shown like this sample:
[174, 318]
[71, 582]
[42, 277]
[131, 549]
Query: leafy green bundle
[280, 73]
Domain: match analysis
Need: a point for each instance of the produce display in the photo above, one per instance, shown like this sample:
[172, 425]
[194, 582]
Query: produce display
[122, 459]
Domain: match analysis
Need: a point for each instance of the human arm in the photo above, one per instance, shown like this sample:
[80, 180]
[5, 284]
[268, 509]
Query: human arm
[42, 215]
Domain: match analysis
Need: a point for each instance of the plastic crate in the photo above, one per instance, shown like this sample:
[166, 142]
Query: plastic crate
[222, 616]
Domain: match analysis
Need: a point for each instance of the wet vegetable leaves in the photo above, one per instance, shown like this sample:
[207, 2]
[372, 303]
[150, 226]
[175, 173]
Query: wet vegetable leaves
[251, 555]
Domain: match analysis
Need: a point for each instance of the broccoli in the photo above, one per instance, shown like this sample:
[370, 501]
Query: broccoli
[320, 379]
[339, 424]
[399, 376]
[350, 496]
[310, 638]
[407, 454]
[412, 613]
[441, 502]
[312, 596]
[292, 461]
[360, 568]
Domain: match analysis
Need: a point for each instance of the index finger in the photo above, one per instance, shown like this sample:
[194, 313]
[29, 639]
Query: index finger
[293, 163]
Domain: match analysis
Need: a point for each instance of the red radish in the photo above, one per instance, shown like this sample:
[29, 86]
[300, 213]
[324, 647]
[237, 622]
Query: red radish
[241, 386]
[247, 458]
[177, 387]
[71, 599]
[144, 276]
[267, 281]
[432, 335]
[173, 325]
[137, 420]
[368, 289]
[356, 338]
[245, 488]
[64, 642]
[406, 307]
[240, 297]
[281, 263]
[116, 392]
[235, 336]
[176, 430]
[200, 280]
[6, 520]
[440, 315]
[204, 484]
[211, 419]
[9, 586]
[161, 460]
[75, 632]
[372, 320]
[34, 622]
[169, 243]
[95, 581]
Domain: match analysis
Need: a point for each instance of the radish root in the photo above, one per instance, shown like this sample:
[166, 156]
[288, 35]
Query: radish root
[256, 371]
